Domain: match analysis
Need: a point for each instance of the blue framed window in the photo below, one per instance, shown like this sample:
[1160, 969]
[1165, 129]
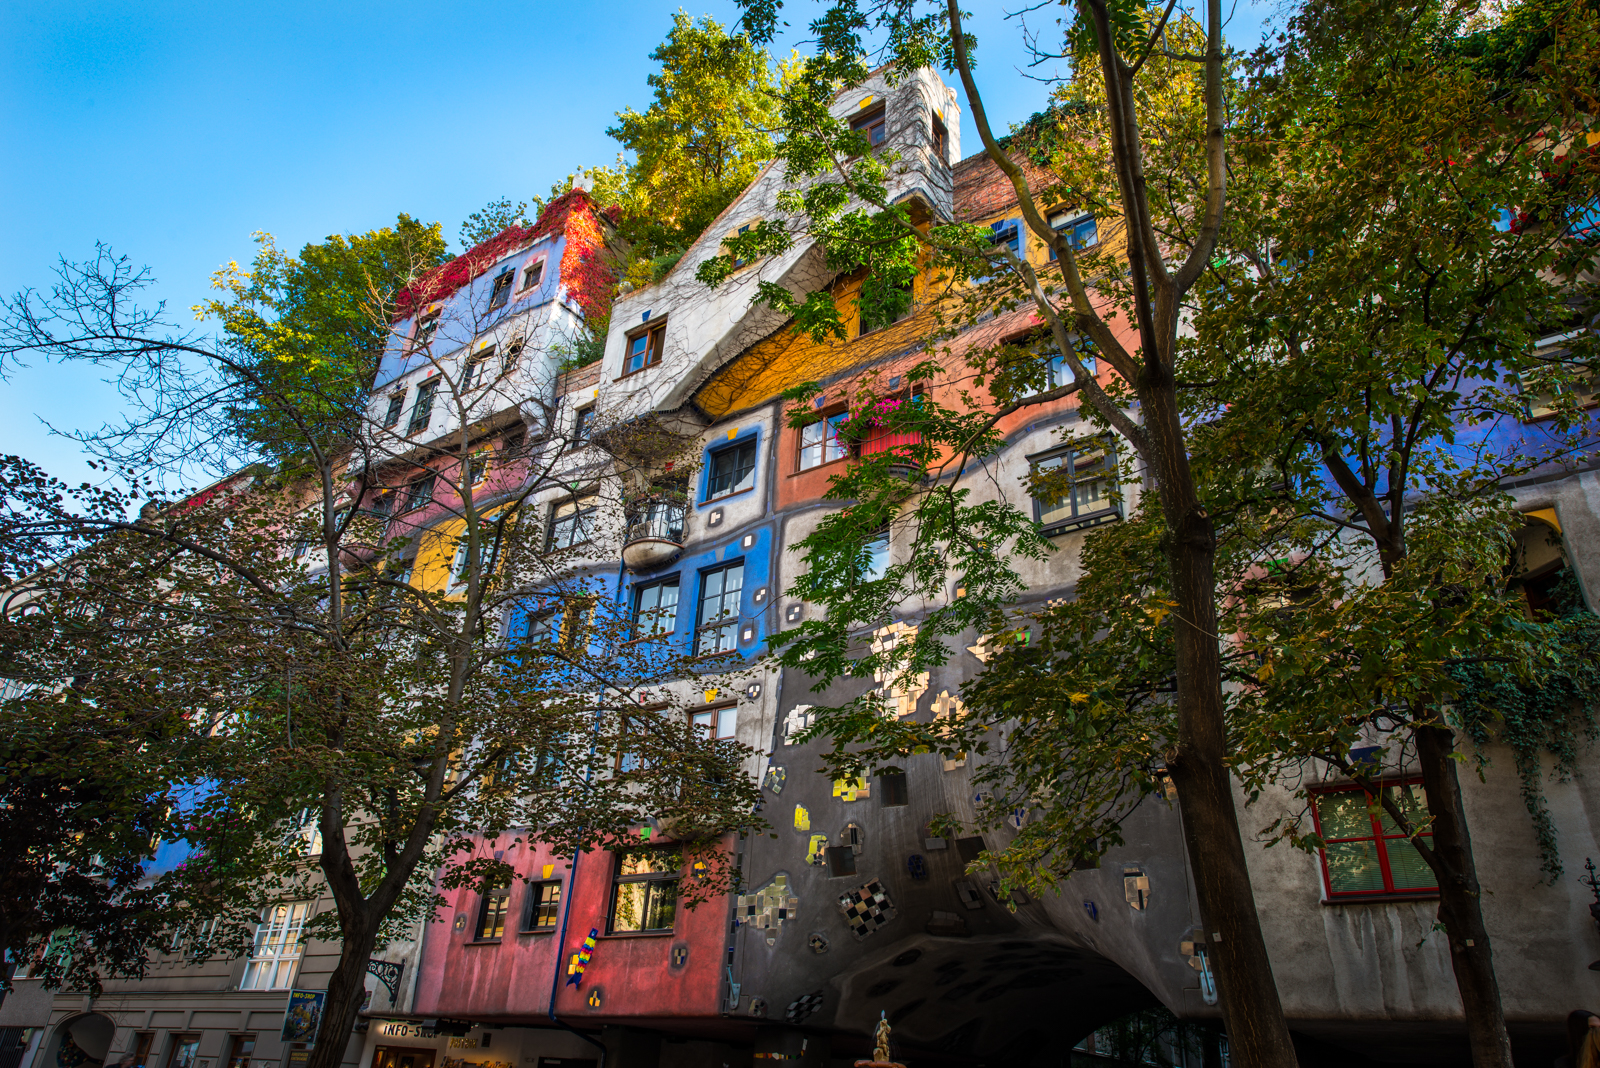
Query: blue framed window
[1009, 234]
[655, 608]
[731, 470]
[717, 615]
[1081, 230]
[1084, 474]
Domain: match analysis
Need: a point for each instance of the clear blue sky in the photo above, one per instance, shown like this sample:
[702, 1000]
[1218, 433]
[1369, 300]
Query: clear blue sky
[171, 131]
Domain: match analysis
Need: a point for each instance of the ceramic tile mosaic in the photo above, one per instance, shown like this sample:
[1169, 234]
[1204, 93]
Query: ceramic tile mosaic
[769, 906]
[799, 719]
[901, 692]
[851, 789]
[802, 1007]
[866, 908]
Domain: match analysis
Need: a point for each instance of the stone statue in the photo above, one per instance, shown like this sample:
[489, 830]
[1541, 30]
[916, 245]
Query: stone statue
[880, 1053]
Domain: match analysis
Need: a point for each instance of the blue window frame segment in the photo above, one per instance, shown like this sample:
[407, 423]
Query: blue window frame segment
[729, 467]
[717, 614]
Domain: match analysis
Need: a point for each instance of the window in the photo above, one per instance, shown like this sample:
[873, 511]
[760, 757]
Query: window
[276, 953]
[240, 1051]
[1056, 371]
[571, 523]
[655, 608]
[716, 723]
[419, 492]
[645, 894]
[877, 557]
[563, 628]
[732, 470]
[184, 1048]
[472, 370]
[422, 408]
[583, 423]
[1364, 852]
[492, 913]
[717, 621]
[532, 274]
[1081, 230]
[941, 141]
[502, 289]
[644, 349]
[427, 326]
[871, 125]
[892, 788]
[820, 442]
[841, 861]
[1082, 477]
[397, 404]
[1582, 385]
[140, 1053]
[544, 906]
[458, 566]
[657, 517]
[745, 229]
[1009, 234]
[478, 466]
[895, 306]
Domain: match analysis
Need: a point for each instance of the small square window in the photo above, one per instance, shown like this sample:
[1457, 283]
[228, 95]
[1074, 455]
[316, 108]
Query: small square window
[419, 492]
[821, 441]
[502, 289]
[472, 371]
[1081, 230]
[644, 349]
[478, 466]
[871, 125]
[1364, 854]
[941, 141]
[427, 326]
[655, 608]
[892, 788]
[877, 548]
[397, 404]
[715, 723]
[732, 470]
[571, 523]
[895, 306]
[583, 423]
[532, 274]
[1007, 233]
[644, 893]
[1089, 470]
[841, 861]
[544, 906]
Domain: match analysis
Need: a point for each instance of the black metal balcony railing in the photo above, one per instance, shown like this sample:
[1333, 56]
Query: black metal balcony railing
[655, 532]
[657, 518]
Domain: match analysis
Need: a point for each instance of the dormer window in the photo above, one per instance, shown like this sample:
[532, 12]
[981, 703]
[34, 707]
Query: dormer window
[532, 274]
[644, 348]
[427, 326]
[871, 125]
[501, 291]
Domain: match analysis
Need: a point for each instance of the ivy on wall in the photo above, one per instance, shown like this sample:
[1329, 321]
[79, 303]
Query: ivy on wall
[1553, 715]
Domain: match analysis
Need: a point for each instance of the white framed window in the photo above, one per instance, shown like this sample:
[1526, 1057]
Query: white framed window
[275, 957]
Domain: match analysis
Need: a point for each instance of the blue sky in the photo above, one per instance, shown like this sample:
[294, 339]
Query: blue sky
[171, 131]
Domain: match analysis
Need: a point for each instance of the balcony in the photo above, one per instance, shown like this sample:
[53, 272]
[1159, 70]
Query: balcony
[655, 533]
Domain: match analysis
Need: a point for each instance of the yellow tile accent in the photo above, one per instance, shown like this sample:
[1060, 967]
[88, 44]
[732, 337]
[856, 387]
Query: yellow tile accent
[802, 818]
[817, 852]
[865, 101]
[851, 789]
[711, 695]
[733, 433]
[547, 871]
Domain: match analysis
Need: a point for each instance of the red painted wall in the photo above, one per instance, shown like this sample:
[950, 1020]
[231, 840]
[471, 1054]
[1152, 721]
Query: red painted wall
[634, 974]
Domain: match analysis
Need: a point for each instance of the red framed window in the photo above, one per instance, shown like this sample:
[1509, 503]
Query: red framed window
[1364, 855]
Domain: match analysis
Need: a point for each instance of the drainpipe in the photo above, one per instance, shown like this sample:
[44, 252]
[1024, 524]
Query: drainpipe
[561, 953]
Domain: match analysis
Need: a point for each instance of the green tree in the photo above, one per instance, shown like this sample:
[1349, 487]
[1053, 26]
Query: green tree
[1147, 103]
[392, 720]
[491, 219]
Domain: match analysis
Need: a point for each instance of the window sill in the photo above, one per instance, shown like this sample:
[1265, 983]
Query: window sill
[640, 371]
[483, 942]
[538, 931]
[640, 934]
[729, 496]
[830, 463]
[1084, 522]
[1397, 897]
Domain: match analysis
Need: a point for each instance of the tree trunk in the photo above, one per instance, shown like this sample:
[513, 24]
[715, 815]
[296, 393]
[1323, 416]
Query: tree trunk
[1460, 901]
[346, 991]
[1258, 1035]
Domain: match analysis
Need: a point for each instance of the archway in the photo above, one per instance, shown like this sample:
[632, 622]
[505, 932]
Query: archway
[78, 1042]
